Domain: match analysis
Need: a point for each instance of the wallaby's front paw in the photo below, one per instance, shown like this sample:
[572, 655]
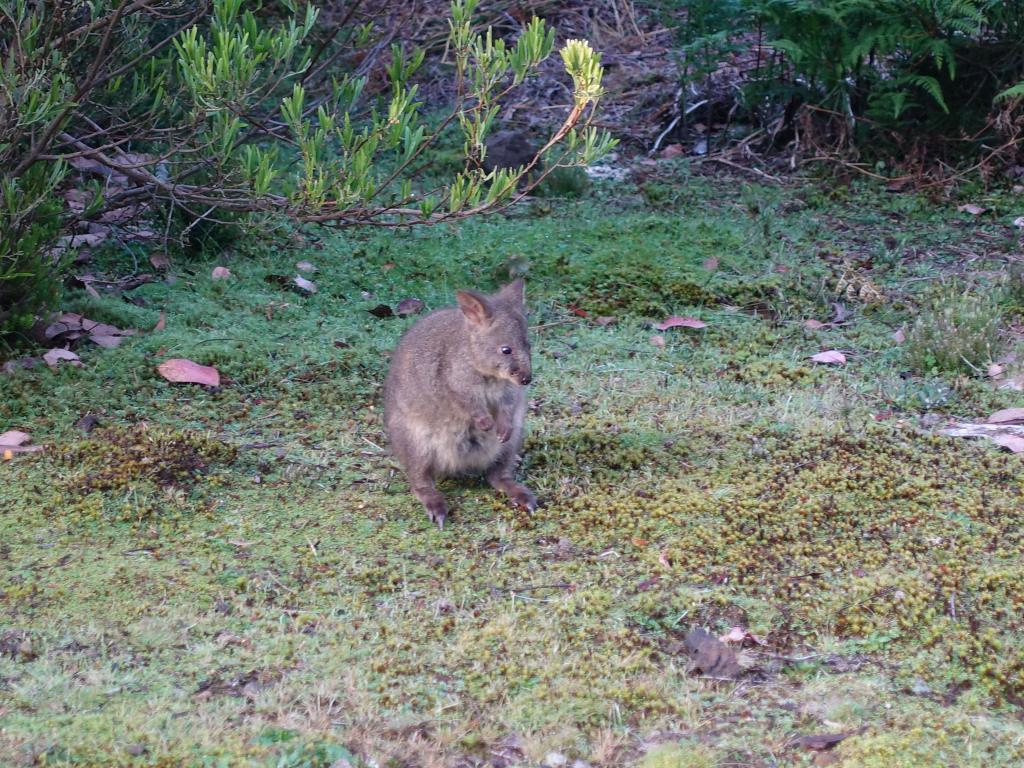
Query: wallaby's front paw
[503, 430]
[525, 500]
[438, 513]
[483, 422]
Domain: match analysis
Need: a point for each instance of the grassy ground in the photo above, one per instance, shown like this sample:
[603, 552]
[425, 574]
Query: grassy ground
[239, 576]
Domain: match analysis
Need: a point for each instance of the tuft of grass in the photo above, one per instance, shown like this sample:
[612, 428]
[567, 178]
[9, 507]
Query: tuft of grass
[958, 330]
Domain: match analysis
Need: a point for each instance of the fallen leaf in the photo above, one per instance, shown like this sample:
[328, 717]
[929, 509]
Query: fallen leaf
[1016, 383]
[1014, 443]
[605, 320]
[663, 559]
[305, 266]
[782, 269]
[680, 322]
[160, 260]
[577, 311]
[741, 635]
[307, 286]
[971, 208]
[899, 336]
[814, 325]
[382, 311]
[387, 266]
[161, 323]
[220, 273]
[840, 314]
[54, 357]
[87, 423]
[829, 357]
[22, 362]
[710, 655]
[181, 371]
[710, 264]
[994, 370]
[408, 307]
[12, 438]
[658, 341]
[672, 150]
[1006, 435]
[1007, 416]
[822, 741]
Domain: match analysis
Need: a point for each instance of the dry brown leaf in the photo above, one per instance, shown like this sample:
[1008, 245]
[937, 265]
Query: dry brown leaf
[658, 341]
[220, 273]
[409, 307]
[741, 635]
[675, 321]
[710, 264]
[971, 208]
[12, 438]
[671, 151]
[304, 285]
[181, 371]
[54, 357]
[899, 336]
[1007, 416]
[822, 741]
[710, 655]
[994, 370]
[305, 266]
[161, 323]
[1014, 443]
[814, 325]
[605, 320]
[829, 357]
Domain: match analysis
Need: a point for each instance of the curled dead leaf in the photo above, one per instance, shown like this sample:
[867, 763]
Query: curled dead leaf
[829, 357]
[304, 285]
[675, 321]
[13, 438]
[971, 208]
[1013, 443]
[55, 357]
[408, 307]
[1007, 416]
[710, 655]
[182, 371]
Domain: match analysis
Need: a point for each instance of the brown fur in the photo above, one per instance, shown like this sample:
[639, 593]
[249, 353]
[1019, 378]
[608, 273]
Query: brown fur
[454, 403]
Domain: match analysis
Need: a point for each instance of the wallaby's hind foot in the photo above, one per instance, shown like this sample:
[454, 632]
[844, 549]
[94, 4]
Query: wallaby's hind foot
[433, 500]
[518, 494]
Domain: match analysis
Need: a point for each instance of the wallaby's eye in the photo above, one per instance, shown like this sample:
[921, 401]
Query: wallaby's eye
[506, 350]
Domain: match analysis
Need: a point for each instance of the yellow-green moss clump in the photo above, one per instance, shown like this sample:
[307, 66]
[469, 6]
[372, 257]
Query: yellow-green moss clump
[139, 469]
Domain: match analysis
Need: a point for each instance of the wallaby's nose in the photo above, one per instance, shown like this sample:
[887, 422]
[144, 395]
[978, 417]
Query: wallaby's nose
[525, 378]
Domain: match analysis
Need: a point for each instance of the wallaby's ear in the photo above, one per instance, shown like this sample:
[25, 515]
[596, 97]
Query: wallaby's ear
[514, 292]
[474, 306]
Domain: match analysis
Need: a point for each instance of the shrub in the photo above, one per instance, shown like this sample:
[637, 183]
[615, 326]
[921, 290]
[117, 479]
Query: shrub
[30, 277]
[956, 332]
[228, 112]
